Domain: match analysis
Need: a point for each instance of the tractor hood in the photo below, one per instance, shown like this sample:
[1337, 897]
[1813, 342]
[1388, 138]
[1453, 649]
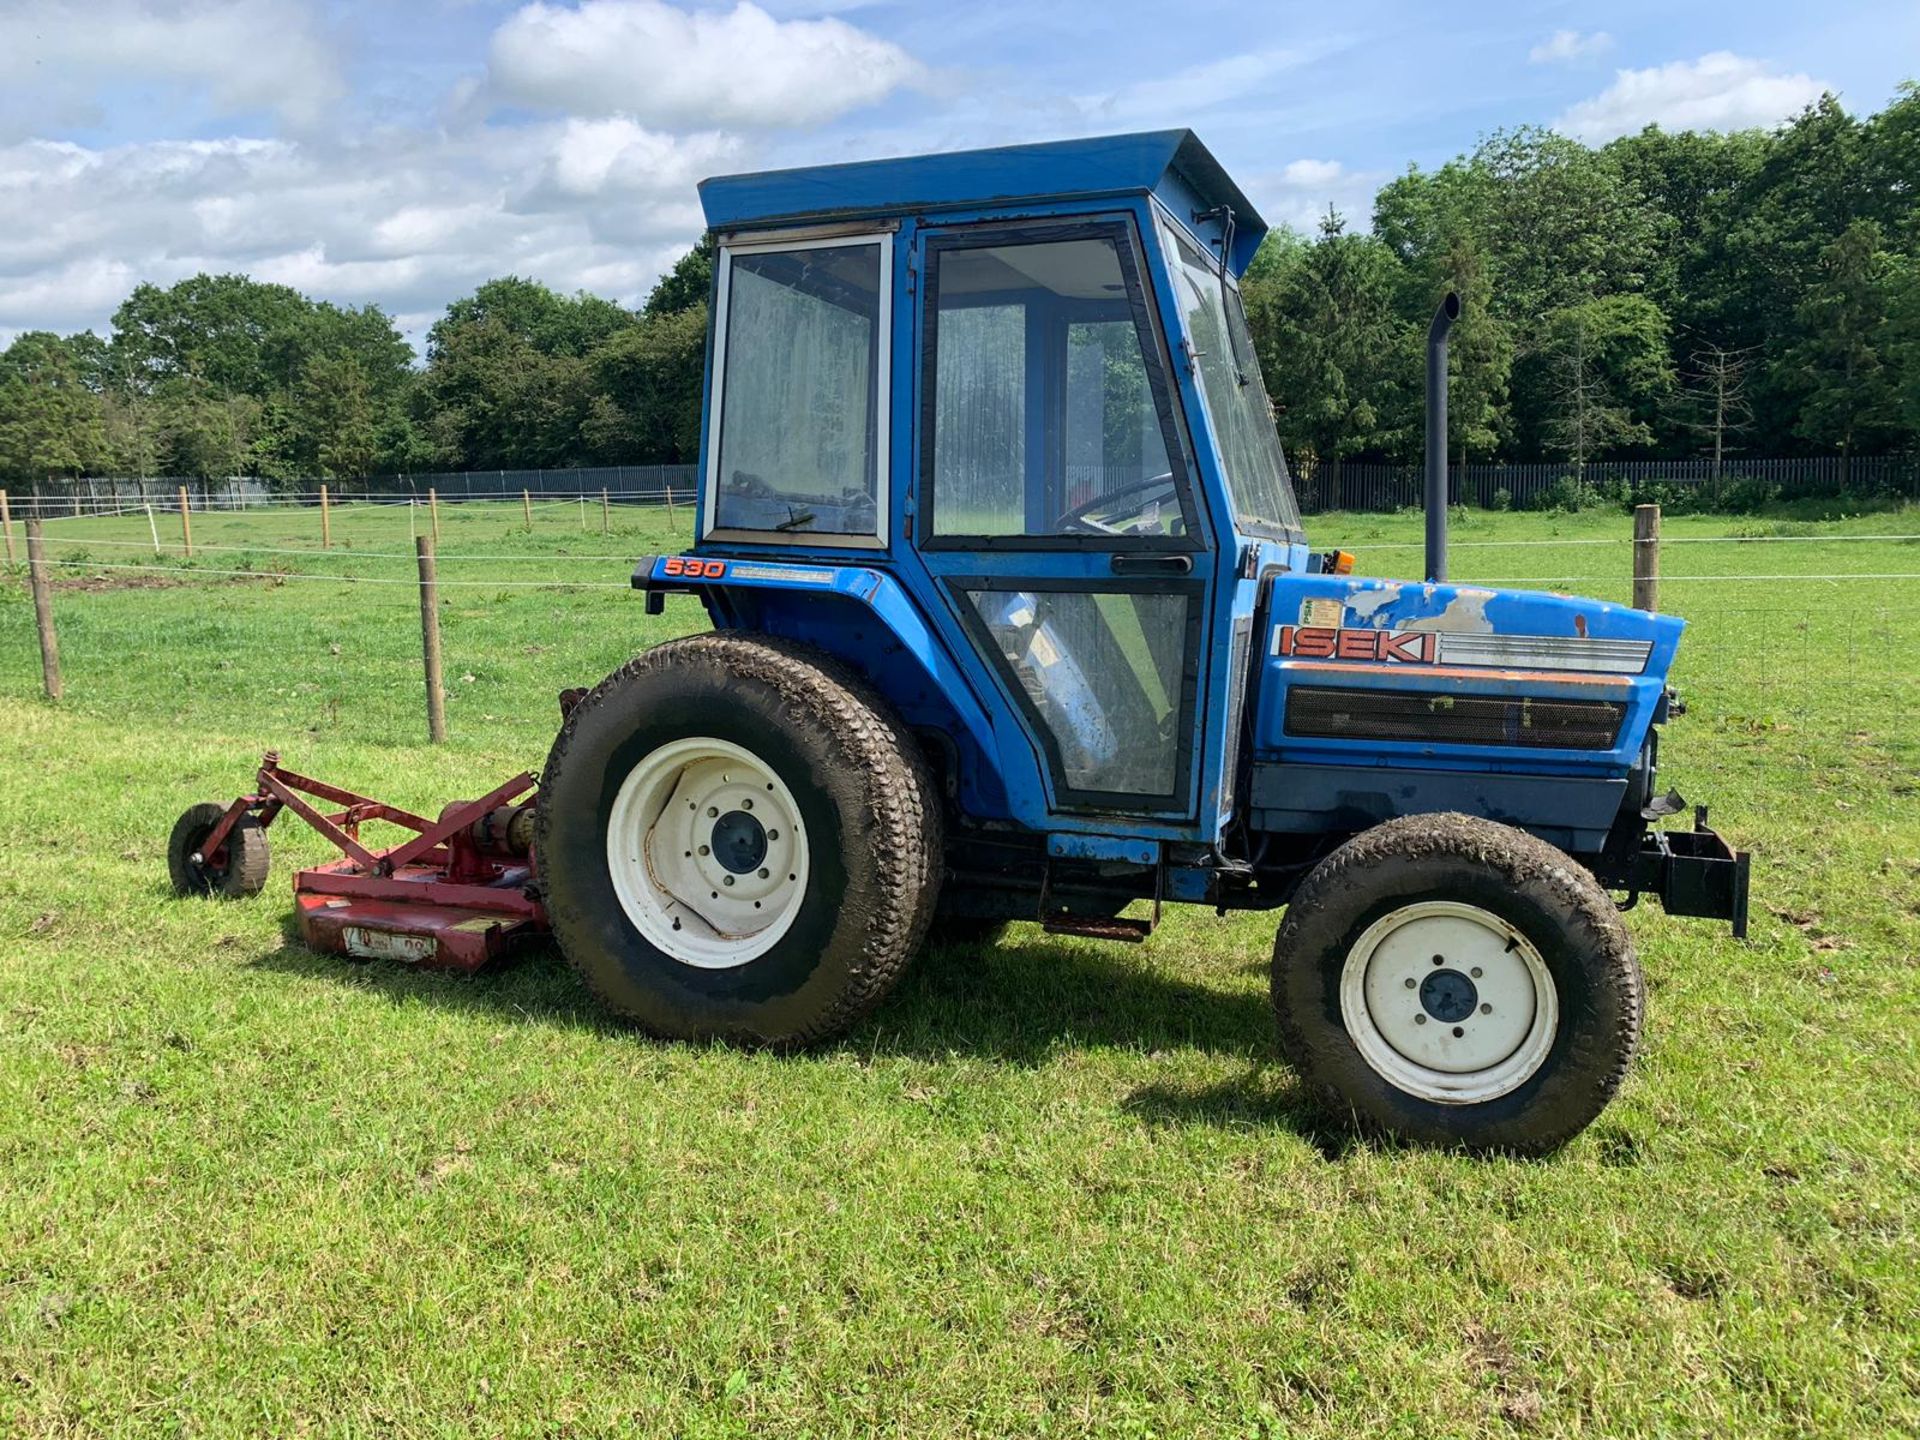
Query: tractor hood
[1404, 674]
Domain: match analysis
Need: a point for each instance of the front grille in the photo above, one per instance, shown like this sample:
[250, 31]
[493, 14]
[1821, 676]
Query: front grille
[1424, 717]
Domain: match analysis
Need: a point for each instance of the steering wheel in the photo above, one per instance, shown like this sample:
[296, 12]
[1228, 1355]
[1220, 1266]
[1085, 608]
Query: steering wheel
[1079, 520]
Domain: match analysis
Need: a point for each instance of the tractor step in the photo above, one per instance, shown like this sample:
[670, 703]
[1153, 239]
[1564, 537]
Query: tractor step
[1099, 927]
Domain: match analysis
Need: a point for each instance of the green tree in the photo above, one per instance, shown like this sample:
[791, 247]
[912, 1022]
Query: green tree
[1328, 337]
[1601, 369]
[651, 376]
[688, 284]
[220, 329]
[51, 423]
[547, 322]
[337, 412]
[1847, 392]
[491, 400]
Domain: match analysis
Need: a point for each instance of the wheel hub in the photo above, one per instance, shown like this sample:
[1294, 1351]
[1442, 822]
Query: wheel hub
[739, 842]
[1448, 996]
[1449, 1002]
[707, 852]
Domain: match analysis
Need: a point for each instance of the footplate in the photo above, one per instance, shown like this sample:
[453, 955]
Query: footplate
[1099, 927]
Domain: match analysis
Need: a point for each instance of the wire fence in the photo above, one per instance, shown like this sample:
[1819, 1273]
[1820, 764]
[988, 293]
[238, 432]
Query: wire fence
[119, 495]
[1701, 484]
[1802, 635]
[1366, 487]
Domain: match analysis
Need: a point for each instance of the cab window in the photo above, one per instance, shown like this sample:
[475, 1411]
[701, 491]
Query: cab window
[798, 433]
[1046, 404]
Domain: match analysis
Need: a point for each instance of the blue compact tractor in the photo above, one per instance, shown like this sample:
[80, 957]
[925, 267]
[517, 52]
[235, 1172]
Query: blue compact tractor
[1013, 618]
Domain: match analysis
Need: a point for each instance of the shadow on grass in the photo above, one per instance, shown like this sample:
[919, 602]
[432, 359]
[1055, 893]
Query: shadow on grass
[1020, 1003]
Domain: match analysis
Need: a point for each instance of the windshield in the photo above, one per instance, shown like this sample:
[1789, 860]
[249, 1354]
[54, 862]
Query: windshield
[1230, 383]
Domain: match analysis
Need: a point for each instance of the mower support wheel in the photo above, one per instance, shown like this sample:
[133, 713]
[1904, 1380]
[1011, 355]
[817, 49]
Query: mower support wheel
[238, 868]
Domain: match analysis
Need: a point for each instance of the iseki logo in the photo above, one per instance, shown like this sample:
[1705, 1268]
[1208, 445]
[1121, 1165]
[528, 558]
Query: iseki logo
[1321, 642]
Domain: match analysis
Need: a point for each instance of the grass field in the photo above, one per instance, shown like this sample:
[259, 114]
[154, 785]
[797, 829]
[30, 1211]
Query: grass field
[1050, 1188]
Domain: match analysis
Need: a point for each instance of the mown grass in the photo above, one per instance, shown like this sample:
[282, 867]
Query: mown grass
[1051, 1188]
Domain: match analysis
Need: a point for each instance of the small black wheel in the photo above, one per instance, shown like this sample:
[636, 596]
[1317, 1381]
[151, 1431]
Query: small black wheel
[738, 840]
[1458, 982]
[238, 867]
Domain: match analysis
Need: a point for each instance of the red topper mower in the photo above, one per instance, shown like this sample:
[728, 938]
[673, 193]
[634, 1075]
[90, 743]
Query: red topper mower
[455, 894]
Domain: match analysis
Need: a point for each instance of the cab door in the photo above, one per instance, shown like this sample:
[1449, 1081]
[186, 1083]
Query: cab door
[1055, 507]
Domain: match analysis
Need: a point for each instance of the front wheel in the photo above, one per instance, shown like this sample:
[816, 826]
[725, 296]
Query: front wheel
[1458, 982]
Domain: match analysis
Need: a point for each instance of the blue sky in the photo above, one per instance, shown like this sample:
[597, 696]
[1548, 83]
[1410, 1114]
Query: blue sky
[400, 153]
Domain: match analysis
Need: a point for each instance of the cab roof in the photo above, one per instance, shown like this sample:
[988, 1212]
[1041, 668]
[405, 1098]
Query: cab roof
[1171, 164]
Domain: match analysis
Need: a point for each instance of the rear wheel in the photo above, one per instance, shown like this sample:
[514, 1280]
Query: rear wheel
[1458, 982]
[238, 868]
[737, 840]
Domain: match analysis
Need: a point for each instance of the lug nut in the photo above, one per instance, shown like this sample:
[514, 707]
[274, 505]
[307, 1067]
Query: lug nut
[1486, 1009]
[764, 874]
[712, 814]
[773, 834]
[705, 850]
[728, 880]
[1411, 982]
[1419, 1019]
[1458, 1032]
[1475, 972]
[746, 804]
[1439, 959]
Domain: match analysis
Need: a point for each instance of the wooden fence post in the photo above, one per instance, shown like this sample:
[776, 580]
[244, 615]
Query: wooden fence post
[526, 508]
[43, 610]
[326, 521]
[186, 522]
[6, 523]
[433, 512]
[1646, 557]
[606, 514]
[430, 639]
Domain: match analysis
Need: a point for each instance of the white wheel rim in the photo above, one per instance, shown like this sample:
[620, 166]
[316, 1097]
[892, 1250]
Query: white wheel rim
[1449, 1002]
[707, 852]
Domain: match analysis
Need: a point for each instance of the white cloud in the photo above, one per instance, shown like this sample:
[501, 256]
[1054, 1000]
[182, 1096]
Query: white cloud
[58, 61]
[409, 220]
[666, 66]
[1169, 99]
[1565, 45]
[1299, 193]
[1721, 91]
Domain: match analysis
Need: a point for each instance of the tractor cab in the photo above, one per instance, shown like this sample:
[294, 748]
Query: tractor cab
[1016, 390]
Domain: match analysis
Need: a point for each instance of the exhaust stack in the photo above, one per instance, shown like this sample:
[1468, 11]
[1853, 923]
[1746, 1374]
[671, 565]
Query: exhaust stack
[1443, 319]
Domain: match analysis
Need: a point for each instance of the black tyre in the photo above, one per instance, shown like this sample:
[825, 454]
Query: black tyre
[737, 840]
[1458, 982]
[239, 867]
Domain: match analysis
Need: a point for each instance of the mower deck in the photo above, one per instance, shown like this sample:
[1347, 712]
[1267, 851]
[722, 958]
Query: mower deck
[456, 894]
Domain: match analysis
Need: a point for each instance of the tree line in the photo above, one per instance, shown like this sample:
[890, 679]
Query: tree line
[222, 375]
[1663, 295]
